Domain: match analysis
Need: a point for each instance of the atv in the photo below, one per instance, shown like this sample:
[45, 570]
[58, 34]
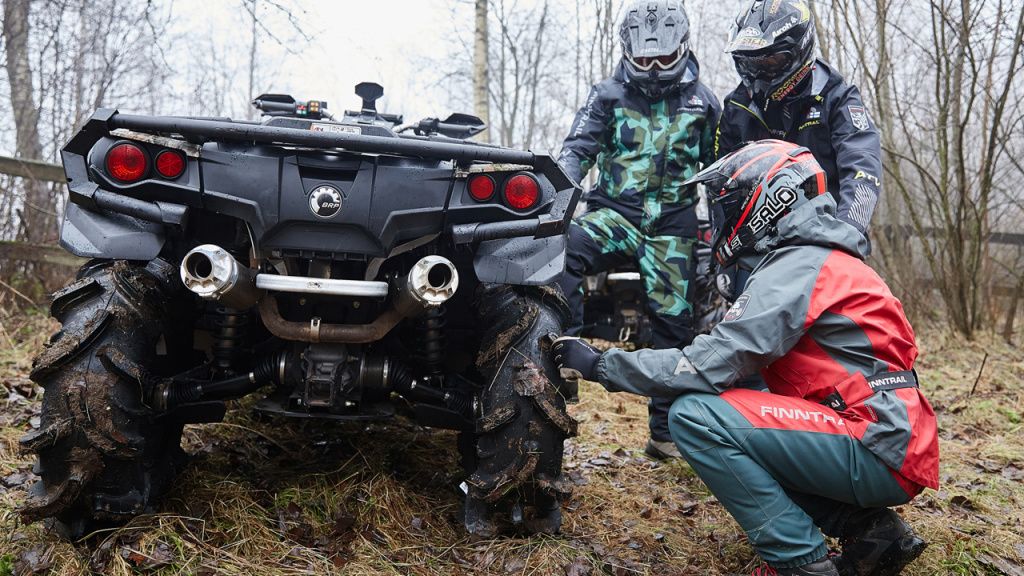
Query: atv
[351, 269]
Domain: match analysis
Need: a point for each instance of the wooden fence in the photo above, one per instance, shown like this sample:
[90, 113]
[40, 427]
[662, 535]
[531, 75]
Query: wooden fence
[47, 172]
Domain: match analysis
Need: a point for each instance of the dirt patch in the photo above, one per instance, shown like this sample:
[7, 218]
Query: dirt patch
[279, 497]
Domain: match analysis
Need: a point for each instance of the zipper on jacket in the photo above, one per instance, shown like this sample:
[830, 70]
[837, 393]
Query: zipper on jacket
[754, 114]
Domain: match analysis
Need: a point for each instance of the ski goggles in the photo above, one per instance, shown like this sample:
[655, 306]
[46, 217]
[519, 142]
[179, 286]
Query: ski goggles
[765, 66]
[666, 62]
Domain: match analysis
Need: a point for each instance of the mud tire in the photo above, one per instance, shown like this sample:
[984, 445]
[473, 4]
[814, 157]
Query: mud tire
[103, 457]
[521, 420]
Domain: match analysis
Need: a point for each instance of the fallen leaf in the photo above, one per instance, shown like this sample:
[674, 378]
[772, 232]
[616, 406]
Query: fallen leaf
[1003, 565]
[483, 561]
[34, 561]
[343, 523]
[988, 465]
[160, 556]
[1014, 473]
[515, 565]
[962, 502]
[579, 567]
[687, 507]
[15, 480]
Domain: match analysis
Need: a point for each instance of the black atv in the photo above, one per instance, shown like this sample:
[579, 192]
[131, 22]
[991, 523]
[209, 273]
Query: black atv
[354, 269]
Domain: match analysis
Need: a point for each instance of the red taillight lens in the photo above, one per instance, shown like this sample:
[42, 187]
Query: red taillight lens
[481, 187]
[522, 192]
[126, 162]
[170, 164]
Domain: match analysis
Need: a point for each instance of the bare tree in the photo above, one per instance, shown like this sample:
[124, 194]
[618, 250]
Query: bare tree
[943, 80]
[481, 78]
[36, 216]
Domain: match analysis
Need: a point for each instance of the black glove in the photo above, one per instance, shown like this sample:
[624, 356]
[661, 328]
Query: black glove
[575, 358]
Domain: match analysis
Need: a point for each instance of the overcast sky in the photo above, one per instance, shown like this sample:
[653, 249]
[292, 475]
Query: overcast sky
[397, 43]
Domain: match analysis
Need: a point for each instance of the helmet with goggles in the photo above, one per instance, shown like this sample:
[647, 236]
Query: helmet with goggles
[750, 190]
[655, 38]
[773, 46]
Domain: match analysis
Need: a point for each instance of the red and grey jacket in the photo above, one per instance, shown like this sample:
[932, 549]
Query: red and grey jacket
[817, 323]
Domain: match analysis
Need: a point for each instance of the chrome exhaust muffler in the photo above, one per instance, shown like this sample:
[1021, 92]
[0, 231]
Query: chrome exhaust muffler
[214, 274]
[431, 282]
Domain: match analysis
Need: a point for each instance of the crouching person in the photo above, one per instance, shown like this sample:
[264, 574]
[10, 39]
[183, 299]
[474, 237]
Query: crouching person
[844, 432]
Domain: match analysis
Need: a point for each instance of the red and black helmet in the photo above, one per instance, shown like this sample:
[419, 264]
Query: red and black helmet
[750, 190]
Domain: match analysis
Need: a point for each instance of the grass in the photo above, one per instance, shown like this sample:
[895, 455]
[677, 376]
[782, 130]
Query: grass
[273, 497]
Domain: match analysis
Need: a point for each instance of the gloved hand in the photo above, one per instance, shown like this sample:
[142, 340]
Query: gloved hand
[575, 358]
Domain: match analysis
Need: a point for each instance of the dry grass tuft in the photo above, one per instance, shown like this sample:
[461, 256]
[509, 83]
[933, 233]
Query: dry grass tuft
[282, 497]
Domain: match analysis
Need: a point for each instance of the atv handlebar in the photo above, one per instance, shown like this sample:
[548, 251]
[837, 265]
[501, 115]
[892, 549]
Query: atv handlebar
[313, 109]
[253, 132]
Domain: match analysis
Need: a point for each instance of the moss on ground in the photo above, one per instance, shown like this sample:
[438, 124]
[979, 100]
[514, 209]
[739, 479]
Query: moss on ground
[273, 497]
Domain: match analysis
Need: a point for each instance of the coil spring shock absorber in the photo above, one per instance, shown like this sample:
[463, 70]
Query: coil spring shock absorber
[227, 339]
[432, 345]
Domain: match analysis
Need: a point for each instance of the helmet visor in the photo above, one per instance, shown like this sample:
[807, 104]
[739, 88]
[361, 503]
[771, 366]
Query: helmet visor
[765, 66]
[666, 62]
[724, 208]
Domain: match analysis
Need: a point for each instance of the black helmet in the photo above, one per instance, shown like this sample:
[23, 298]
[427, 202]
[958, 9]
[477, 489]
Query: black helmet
[655, 37]
[749, 190]
[773, 44]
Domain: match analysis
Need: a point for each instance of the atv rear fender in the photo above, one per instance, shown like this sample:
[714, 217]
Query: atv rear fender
[108, 219]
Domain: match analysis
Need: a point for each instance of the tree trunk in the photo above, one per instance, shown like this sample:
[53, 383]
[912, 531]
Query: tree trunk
[481, 100]
[1011, 313]
[250, 112]
[37, 220]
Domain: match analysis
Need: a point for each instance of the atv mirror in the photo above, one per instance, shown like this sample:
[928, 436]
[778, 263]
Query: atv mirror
[460, 126]
[467, 121]
[370, 92]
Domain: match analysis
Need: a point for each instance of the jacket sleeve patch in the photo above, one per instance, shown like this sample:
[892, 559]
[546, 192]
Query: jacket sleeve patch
[738, 308]
[859, 117]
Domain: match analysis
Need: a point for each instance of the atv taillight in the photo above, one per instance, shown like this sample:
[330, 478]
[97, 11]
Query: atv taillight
[170, 163]
[126, 162]
[522, 192]
[481, 187]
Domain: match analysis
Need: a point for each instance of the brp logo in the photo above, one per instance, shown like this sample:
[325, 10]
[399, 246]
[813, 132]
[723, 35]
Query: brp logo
[325, 201]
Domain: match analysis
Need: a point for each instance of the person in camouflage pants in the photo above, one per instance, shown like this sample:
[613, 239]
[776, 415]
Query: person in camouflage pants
[647, 129]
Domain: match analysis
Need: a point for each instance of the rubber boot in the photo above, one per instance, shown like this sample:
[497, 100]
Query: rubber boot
[823, 567]
[662, 450]
[882, 545]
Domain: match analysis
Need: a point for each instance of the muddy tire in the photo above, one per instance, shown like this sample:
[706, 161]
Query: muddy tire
[102, 455]
[521, 421]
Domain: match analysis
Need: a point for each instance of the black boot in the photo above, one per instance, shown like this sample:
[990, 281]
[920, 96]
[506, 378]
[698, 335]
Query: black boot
[823, 567]
[881, 544]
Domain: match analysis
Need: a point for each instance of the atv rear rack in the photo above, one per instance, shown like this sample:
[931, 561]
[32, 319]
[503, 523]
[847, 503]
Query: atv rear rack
[555, 222]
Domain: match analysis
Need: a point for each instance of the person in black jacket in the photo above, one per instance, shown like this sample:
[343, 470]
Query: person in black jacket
[788, 94]
[647, 129]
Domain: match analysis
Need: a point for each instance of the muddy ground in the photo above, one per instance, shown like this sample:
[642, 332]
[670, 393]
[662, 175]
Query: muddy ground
[272, 497]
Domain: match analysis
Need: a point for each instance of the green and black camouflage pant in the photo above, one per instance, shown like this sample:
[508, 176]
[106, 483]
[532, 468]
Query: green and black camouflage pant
[603, 239]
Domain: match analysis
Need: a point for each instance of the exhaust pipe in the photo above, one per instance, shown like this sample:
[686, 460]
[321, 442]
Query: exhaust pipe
[213, 274]
[430, 283]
